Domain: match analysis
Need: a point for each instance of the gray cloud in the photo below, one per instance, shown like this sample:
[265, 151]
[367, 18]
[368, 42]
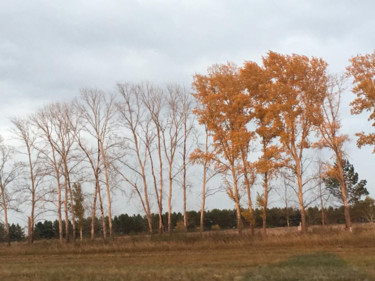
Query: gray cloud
[51, 49]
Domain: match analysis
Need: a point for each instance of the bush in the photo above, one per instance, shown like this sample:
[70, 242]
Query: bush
[215, 227]
[179, 226]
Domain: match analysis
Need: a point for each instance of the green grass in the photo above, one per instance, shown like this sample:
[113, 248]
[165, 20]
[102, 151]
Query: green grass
[320, 255]
[319, 266]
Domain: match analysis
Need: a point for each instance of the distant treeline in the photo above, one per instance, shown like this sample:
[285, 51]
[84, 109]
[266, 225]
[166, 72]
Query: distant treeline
[214, 220]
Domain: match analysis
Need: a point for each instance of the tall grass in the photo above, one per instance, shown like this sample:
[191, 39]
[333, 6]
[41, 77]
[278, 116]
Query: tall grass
[277, 238]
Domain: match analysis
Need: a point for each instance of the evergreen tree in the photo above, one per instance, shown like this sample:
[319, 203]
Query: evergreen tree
[44, 230]
[2, 233]
[355, 188]
[16, 233]
[79, 209]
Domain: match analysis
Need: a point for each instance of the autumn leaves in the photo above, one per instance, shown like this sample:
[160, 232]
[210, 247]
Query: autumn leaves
[282, 103]
[362, 70]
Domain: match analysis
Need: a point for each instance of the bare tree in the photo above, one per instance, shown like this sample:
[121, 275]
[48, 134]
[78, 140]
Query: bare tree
[331, 137]
[93, 157]
[154, 100]
[311, 172]
[43, 120]
[284, 192]
[187, 127]
[206, 159]
[172, 137]
[98, 110]
[61, 115]
[134, 120]
[9, 172]
[25, 132]
[322, 192]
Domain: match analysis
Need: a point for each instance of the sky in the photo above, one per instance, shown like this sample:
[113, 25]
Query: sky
[49, 50]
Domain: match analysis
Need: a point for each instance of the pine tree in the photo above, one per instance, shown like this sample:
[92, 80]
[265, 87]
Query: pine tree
[79, 209]
[355, 188]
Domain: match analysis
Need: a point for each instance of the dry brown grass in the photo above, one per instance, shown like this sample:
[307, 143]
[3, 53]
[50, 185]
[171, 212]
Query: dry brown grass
[218, 256]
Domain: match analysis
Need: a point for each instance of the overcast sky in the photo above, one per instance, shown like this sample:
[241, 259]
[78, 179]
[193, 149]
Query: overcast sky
[51, 49]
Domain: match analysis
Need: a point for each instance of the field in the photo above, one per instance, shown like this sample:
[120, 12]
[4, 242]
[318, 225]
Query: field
[322, 254]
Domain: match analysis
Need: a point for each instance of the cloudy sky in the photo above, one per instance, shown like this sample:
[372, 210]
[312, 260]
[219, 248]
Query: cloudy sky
[51, 49]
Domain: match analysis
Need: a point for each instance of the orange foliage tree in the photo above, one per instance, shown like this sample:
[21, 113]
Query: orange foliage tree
[299, 85]
[267, 126]
[223, 108]
[362, 69]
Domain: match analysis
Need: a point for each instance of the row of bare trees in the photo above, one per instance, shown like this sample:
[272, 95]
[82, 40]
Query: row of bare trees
[254, 121]
[158, 124]
[126, 141]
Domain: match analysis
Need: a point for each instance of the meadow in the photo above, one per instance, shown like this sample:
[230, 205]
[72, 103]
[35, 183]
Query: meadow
[327, 253]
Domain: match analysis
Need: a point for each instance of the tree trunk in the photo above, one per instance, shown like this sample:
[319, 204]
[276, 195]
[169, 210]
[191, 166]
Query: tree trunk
[29, 231]
[149, 222]
[93, 211]
[184, 174]
[59, 204]
[147, 205]
[203, 197]
[32, 216]
[251, 212]
[185, 212]
[302, 211]
[68, 185]
[161, 222]
[143, 174]
[102, 213]
[321, 202]
[348, 224]
[33, 190]
[300, 198]
[59, 201]
[286, 205]
[248, 191]
[156, 190]
[236, 200]
[73, 214]
[5, 208]
[105, 164]
[204, 183]
[170, 199]
[66, 215]
[265, 203]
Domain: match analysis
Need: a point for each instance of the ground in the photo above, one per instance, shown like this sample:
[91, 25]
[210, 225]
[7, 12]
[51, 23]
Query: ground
[325, 254]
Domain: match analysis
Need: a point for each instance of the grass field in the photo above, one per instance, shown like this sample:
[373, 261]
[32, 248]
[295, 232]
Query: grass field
[324, 254]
